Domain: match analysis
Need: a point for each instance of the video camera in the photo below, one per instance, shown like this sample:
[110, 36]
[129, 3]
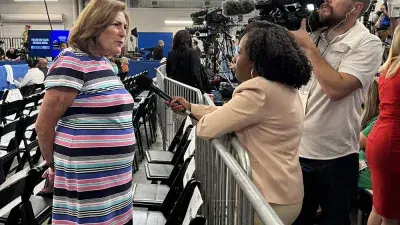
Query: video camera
[289, 13]
[211, 16]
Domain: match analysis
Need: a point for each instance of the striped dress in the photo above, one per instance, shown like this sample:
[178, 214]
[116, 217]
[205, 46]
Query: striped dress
[94, 144]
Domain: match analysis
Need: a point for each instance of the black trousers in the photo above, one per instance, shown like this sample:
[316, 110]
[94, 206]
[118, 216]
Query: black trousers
[332, 185]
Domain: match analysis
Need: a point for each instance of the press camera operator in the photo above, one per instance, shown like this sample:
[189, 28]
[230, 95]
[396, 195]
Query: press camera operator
[345, 56]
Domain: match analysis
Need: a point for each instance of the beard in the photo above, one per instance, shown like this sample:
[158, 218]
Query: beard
[332, 18]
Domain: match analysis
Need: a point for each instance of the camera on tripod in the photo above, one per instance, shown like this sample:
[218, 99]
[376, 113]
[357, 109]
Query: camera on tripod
[289, 13]
[208, 22]
[211, 16]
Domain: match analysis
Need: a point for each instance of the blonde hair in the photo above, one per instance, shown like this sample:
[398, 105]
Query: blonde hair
[93, 20]
[124, 60]
[371, 104]
[392, 63]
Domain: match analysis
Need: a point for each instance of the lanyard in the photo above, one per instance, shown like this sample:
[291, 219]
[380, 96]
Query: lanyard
[319, 38]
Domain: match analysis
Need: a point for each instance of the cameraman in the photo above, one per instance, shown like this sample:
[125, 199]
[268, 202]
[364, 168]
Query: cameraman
[345, 56]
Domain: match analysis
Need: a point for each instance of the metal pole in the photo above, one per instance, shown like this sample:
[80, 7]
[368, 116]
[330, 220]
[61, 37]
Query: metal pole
[80, 6]
[74, 13]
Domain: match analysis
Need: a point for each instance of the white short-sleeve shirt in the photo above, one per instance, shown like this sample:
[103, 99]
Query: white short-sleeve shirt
[332, 128]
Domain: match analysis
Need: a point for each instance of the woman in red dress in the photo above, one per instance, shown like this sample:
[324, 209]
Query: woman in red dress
[383, 144]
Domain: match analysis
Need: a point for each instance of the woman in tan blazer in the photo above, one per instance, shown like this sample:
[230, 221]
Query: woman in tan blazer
[265, 112]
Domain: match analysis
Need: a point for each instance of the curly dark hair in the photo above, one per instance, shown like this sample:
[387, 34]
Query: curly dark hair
[182, 40]
[276, 54]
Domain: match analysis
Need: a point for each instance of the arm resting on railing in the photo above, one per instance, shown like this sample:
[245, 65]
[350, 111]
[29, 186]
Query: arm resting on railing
[244, 109]
[201, 110]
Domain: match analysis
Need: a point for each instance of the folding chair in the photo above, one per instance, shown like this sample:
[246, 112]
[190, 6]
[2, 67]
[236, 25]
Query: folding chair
[32, 209]
[153, 195]
[10, 111]
[10, 139]
[162, 172]
[29, 146]
[166, 216]
[165, 157]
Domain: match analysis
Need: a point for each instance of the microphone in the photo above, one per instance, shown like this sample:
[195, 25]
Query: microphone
[237, 7]
[146, 83]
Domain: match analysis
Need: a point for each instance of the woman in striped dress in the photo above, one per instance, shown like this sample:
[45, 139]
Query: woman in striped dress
[85, 122]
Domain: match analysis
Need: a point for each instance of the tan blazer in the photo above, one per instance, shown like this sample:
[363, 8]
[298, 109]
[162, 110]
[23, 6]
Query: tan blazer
[268, 118]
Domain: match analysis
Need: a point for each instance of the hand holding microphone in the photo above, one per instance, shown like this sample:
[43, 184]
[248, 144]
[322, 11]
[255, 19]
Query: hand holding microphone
[178, 104]
[146, 83]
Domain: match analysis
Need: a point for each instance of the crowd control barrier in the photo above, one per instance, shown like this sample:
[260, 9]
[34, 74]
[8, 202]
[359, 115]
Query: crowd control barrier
[169, 121]
[222, 166]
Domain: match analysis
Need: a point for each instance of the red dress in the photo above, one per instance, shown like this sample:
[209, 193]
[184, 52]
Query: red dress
[383, 149]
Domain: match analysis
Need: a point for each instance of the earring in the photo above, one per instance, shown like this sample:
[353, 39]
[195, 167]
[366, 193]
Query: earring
[251, 73]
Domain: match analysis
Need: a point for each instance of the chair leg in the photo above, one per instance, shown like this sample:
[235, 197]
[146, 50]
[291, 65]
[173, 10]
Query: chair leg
[145, 130]
[154, 126]
[139, 143]
[152, 139]
[2, 175]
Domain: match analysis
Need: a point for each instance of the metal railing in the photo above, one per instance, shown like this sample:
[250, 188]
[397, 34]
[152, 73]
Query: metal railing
[170, 121]
[15, 42]
[222, 166]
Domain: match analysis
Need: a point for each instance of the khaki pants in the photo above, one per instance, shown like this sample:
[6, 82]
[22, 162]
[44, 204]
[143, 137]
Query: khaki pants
[287, 213]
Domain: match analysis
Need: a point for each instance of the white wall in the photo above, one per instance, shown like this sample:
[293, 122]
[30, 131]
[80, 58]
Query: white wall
[152, 20]
[62, 6]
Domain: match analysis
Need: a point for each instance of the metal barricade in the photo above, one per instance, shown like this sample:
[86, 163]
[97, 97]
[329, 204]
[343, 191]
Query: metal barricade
[11, 42]
[161, 107]
[222, 166]
[230, 197]
[170, 121]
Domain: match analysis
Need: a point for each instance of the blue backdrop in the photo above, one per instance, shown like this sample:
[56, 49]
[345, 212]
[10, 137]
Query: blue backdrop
[150, 39]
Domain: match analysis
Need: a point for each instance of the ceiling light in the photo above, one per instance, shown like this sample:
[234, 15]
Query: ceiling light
[179, 22]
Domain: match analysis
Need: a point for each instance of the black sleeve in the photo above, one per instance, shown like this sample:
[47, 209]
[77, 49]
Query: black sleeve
[149, 49]
[158, 53]
[168, 66]
[195, 69]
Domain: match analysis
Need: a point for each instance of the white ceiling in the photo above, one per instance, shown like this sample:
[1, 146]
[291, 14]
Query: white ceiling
[179, 3]
[49, 2]
[142, 3]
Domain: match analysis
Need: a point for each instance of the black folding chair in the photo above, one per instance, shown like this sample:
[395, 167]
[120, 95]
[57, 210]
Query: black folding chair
[153, 195]
[10, 139]
[10, 111]
[30, 145]
[32, 209]
[166, 157]
[166, 216]
[162, 172]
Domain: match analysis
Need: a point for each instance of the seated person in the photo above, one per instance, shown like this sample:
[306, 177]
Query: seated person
[383, 23]
[123, 72]
[43, 65]
[369, 117]
[2, 53]
[33, 76]
[11, 54]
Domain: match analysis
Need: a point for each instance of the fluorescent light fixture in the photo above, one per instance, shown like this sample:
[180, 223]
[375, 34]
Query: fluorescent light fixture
[35, 0]
[179, 22]
[310, 7]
